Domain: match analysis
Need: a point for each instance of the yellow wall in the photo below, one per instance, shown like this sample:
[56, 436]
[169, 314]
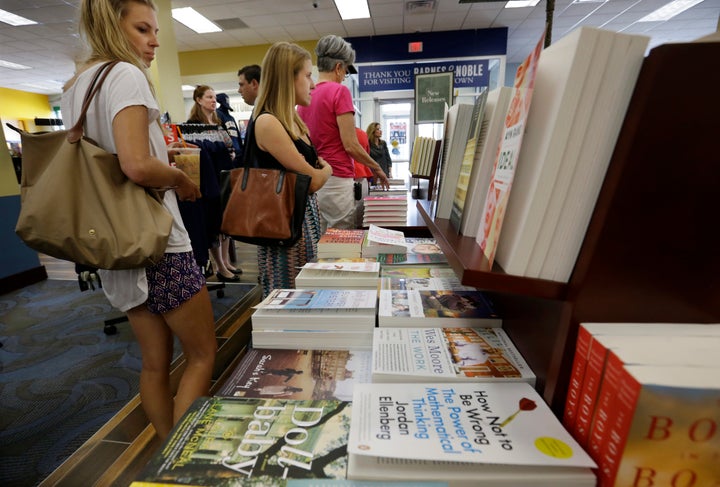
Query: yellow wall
[228, 59]
[16, 104]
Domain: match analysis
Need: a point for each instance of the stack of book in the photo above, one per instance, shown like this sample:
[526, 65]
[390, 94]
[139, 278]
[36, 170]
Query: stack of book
[466, 434]
[436, 308]
[339, 243]
[315, 319]
[425, 153]
[389, 209]
[447, 355]
[339, 274]
[583, 86]
[640, 401]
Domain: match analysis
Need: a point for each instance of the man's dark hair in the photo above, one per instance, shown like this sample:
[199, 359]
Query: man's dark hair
[250, 72]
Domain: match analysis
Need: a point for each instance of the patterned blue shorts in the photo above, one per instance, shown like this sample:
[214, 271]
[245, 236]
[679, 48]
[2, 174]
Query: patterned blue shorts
[172, 281]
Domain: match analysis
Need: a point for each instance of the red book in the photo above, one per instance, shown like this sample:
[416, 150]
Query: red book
[664, 430]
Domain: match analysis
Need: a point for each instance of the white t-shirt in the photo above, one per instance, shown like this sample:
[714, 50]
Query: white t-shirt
[124, 86]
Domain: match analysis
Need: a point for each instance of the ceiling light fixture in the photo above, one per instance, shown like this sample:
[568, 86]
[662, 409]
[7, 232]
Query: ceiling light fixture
[521, 3]
[12, 19]
[669, 10]
[189, 17]
[8, 64]
[353, 9]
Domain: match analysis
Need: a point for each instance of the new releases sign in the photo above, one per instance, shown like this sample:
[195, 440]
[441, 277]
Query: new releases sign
[467, 74]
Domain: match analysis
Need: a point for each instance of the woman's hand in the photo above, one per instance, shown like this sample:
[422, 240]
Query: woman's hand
[186, 189]
[324, 166]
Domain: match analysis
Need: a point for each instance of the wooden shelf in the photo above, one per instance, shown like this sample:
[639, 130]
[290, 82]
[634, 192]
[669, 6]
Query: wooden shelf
[471, 266]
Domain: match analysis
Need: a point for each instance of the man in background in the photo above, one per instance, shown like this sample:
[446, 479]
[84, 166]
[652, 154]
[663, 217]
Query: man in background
[248, 85]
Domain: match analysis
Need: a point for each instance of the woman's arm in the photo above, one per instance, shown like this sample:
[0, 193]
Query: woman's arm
[132, 141]
[346, 124]
[272, 137]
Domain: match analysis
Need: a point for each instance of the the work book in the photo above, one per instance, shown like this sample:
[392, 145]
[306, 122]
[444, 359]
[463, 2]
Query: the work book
[298, 374]
[663, 428]
[233, 441]
[339, 275]
[582, 89]
[432, 308]
[336, 242]
[319, 309]
[447, 355]
[468, 434]
[431, 276]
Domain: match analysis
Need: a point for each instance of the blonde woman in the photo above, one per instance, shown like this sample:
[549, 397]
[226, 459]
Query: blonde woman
[378, 148]
[169, 298]
[280, 139]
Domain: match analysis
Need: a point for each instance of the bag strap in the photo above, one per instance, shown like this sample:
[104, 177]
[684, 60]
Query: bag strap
[76, 132]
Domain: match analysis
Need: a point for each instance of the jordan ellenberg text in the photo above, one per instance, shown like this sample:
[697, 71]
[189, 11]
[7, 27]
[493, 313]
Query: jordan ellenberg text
[481, 426]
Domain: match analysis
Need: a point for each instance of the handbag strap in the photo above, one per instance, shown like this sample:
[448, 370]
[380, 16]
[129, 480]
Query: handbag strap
[76, 132]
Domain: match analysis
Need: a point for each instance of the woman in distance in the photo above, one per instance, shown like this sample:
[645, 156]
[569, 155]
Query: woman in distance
[378, 148]
[169, 298]
[281, 140]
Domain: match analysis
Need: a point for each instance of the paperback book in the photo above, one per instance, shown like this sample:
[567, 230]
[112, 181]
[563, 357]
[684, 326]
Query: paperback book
[335, 337]
[404, 277]
[235, 441]
[502, 426]
[447, 355]
[337, 242]
[339, 275]
[411, 258]
[316, 309]
[663, 429]
[436, 308]
[298, 374]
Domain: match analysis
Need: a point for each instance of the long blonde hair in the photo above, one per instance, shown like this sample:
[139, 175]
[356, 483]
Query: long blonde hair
[100, 27]
[282, 62]
[371, 133]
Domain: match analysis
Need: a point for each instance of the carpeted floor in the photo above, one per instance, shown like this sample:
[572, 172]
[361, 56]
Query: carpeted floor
[61, 376]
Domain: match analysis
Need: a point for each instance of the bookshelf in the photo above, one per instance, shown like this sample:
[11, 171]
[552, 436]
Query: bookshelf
[650, 253]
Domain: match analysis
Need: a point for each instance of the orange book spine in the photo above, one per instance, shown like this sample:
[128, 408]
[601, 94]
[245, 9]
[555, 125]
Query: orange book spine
[577, 373]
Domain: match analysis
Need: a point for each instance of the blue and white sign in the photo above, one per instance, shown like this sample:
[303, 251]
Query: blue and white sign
[468, 74]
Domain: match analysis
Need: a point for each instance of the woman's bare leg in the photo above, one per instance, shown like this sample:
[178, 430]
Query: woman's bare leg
[156, 343]
[193, 323]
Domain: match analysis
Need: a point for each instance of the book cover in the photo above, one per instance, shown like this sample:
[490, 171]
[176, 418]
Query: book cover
[507, 154]
[386, 200]
[664, 428]
[314, 278]
[233, 441]
[433, 276]
[648, 350]
[468, 159]
[686, 351]
[496, 423]
[436, 308]
[298, 374]
[496, 107]
[586, 334]
[309, 299]
[447, 355]
[342, 237]
[411, 259]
